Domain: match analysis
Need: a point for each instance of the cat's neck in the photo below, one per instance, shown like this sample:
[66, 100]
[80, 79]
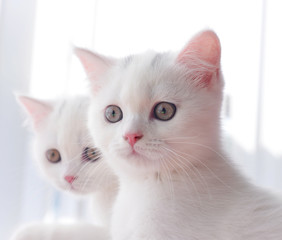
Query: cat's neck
[103, 201]
[215, 173]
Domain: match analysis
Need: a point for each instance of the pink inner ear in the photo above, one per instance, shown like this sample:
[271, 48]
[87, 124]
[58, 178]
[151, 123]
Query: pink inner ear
[94, 65]
[205, 46]
[36, 109]
[202, 54]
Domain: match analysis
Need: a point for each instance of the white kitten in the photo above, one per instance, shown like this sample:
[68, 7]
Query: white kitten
[66, 155]
[158, 114]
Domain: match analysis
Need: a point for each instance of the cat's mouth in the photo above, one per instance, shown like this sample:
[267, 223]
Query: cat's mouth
[139, 155]
[134, 153]
[70, 187]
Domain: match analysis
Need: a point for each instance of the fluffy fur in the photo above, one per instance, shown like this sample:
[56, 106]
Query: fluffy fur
[57, 231]
[175, 181]
[61, 125]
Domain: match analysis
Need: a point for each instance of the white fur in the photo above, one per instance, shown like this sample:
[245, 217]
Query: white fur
[61, 124]
[180, 184]
[59, 231]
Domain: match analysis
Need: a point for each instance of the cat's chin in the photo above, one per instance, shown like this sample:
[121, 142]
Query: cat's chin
[77, 191]
[138, 162]
[72, 189]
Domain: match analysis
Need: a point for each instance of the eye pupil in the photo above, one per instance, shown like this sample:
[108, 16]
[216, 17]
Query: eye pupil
[163, 111]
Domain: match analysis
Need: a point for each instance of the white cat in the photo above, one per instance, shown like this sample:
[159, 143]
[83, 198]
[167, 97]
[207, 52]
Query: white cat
[158, 115]
[65, 154]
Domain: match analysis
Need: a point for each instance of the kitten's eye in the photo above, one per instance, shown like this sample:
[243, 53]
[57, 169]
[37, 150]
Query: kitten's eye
[90, 154]
[113, 114]
[164, 111]
[53, 155]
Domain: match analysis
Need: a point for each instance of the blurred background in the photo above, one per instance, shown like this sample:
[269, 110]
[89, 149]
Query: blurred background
[36, 39]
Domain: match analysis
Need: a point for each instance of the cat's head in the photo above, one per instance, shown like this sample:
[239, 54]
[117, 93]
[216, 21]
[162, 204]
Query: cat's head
[155, 112]
[62, 145]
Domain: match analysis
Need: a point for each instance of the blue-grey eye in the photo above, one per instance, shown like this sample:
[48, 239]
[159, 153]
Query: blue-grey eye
[164, 111]
[113, 113]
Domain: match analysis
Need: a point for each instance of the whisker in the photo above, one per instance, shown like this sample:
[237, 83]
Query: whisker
[185, 172]
[212, 172]
[97, 166]
[169, 178]
[179, 138]
[204, 146]
[184, 161]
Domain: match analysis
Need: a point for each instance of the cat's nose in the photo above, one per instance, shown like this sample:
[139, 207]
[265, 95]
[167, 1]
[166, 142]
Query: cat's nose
[70, 179]
[132, 138]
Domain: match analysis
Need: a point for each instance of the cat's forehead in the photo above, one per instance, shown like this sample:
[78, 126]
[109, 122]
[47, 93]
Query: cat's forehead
[145, 79]
[68, 122]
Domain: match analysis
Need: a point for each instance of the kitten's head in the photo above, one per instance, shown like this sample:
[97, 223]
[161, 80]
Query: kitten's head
[153, 112]
[62, 148]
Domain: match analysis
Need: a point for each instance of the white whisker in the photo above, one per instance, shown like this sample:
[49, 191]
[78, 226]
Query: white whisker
[184, 171]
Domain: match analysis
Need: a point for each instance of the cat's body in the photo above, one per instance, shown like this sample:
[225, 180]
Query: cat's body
[66, 156]
[158, 114]
[174, 208]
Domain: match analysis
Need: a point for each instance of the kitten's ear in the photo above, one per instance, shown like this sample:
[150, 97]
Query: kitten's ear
[35, 109]
[203, 53]
[94, 65]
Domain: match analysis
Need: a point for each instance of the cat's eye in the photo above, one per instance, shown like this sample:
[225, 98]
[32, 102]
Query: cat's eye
[90, 154]
[164, 111]
[113, 113]
[53, 155]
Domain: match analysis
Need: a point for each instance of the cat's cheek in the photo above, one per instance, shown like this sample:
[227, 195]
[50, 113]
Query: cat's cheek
[103, 135]
[96, 126]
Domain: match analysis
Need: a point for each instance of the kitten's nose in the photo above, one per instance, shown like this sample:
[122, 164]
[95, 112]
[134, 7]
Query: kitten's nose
[132, 138]
[70, 179]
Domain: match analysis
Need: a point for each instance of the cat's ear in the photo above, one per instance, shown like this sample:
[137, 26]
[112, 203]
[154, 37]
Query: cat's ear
[35, 109]
[202, 53]
[94, 65]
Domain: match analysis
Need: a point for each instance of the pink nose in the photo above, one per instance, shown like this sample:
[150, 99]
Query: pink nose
[70, 179]
[132, 138]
